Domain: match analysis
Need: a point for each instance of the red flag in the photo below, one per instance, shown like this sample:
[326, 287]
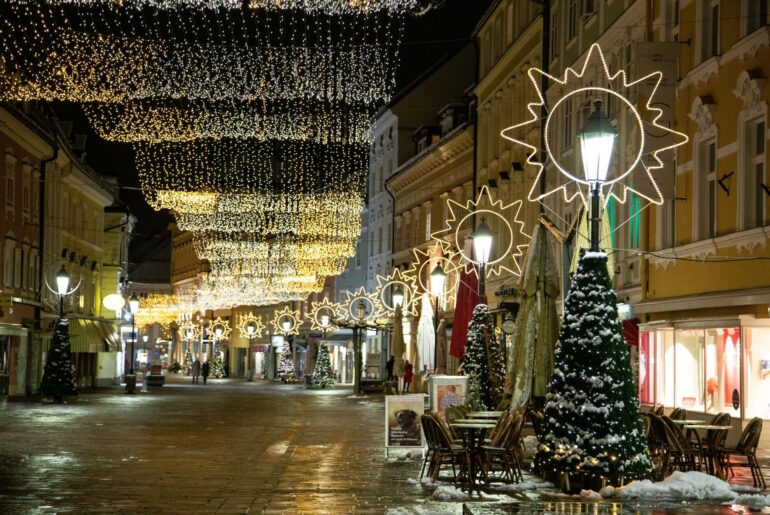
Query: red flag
[467, 299]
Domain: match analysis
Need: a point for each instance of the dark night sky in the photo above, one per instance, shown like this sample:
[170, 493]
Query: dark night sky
[427, 39]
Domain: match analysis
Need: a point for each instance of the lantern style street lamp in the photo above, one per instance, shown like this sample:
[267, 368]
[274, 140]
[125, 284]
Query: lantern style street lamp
[482, 248]
[398, 296]
[62, 288]
[597, 141]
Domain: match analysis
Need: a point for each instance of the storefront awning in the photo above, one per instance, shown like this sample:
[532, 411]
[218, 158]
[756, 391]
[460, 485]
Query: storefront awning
[707, 300]
[93, 336]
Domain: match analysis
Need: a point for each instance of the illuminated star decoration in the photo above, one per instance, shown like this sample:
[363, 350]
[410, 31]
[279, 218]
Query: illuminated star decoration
[372, 307]
[250, 320]
[284, 315]
[189, 331]
[510, 241]
[325, 307]
[592, 81]
[224, 325]
[384, 293]
[439, 253]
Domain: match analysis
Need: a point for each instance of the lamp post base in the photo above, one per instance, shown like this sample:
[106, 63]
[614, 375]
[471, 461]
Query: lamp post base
[130, 383]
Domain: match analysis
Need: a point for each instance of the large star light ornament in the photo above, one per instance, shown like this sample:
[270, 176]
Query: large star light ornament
[424, 261]
[510, 241]
[384, 293]
[250, 325]
[286, 322]
[369, 301]
[647, 138]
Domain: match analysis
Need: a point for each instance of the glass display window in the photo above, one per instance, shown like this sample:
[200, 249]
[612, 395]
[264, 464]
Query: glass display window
[757, 371]
[656, 366]
[688, 366]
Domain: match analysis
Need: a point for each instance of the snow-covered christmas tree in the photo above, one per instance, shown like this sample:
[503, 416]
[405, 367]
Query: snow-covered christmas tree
[59, 375]
[323, 374]
[286, 366]
[188, 362]
[592, 430]
[483, 361]
[216, 370]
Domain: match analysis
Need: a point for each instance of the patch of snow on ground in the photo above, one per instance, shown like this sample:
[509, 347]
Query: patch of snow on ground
[530, 446]
[521, 487]
[744, 488]
[412, 510]
[590, 495]
[753, 502]
[448, 493]
[412, 481]
[680, 485]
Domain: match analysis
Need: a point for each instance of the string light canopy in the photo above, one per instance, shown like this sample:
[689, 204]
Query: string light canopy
[160, 309]
[286, 322]
[156, 121]
[219, 329]
[647, 136]
[250, 325]
[323, 315]
[101, 54]
[510, 239]
[384, 293]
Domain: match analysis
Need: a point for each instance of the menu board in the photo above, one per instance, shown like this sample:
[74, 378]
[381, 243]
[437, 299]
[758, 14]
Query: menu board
[402, 420]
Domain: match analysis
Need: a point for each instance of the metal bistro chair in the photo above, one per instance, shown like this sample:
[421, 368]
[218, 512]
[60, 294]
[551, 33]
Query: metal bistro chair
[678, 414]
[432, 442]
[458, 455]
[713, 442]
[746, 447]
[687, 456]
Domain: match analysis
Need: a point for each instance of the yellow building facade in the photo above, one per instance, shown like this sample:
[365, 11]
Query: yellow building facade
[705, 340]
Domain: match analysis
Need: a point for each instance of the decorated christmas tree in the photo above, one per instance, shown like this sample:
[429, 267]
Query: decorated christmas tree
[59, 375]
[188, 362]
[483, 362]
[323, 374]
[286, 366]
[592, 430]
[216, 370]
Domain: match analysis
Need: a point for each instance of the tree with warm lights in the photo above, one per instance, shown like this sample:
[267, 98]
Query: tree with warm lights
[323, 374]
[286, 366]
[483, 363]
[216, 369]
[188, 361]
[59, 377]
[592, 430]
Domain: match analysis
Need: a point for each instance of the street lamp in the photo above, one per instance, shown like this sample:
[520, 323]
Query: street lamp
[437, 282]
[482, 248]
[133, 308]
[62, 287]
[324, 325]
[597, 140]
[398, 296]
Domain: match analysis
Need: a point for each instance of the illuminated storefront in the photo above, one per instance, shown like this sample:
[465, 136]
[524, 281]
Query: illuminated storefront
[708, 366]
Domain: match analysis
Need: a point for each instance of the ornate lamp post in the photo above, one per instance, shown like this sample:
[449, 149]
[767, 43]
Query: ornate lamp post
[133, 309]
[597, 140]
[62, 288]
[482, 247]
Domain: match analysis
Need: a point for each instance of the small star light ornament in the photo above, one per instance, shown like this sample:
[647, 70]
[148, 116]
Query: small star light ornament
[250, 326]
[578, 91]
[360, 306]
[426, 260]
[510, 241]
[324, 315]
[189, 331]
[220, 329]
[387, 284]
[286, 322]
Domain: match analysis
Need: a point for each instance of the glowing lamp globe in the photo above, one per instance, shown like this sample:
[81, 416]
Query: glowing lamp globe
[286, 324]
[482, 243]
[398, 296]
[325, 320]
[360, 310]
[190, 333]
[437, 281]
[597, 140]
[133, 304]
[114, 302]
[62, 281]
[218, 331]
[250, 329]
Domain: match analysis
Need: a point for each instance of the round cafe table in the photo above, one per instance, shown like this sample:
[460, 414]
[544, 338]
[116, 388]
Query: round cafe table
[711, 462]
[475, 429]
[484, 414]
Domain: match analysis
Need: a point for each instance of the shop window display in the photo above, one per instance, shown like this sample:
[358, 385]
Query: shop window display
[688, 363]
[757, 370]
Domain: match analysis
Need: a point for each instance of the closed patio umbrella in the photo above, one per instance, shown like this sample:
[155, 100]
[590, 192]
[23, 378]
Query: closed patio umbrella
[441, 350]
[426, 336]
[397, 347]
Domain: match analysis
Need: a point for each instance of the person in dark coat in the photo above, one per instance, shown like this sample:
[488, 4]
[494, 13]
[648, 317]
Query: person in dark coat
[196, 371]
[389, 367]
[205, 371]
[407, 376]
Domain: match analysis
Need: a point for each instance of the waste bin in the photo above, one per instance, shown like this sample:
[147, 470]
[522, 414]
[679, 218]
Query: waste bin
[307, 381]
[130, 383]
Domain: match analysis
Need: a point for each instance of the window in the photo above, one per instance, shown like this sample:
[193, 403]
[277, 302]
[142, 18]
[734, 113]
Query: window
[572, 20]
[757, 370]
[554, 48]
[10, 245]
[427, 226]
[17, 268]
[379, 240]
[757, 14]
[10, 182]
[588, 7]
[710, 30]
[567, 134]
[635, 220]
[707, 195]
[509, 24]
[26, 191]
[675, 25]
[758, 171]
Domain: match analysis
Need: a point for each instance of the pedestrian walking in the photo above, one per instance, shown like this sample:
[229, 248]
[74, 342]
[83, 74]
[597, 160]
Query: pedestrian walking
[407, 376]
[389, 366]
[205, 371]
[196, 371]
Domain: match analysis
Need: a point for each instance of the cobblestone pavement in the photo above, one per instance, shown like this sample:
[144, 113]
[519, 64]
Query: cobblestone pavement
[228, 447]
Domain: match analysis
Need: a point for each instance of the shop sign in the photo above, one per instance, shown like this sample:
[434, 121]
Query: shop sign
[509, 326]
[403, 428]
[506, 292]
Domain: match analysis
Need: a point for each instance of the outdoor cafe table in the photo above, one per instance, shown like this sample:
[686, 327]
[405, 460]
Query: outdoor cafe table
[688, 422]
[712, 463]
[475, 430]
[484, 414]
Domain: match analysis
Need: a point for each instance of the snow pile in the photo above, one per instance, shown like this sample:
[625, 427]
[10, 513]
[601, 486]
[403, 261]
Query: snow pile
[590, 495]
[448, 493]
[744, 488]
[690, 486]
[412, 510]
[412, 481]
[521, 487]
